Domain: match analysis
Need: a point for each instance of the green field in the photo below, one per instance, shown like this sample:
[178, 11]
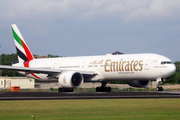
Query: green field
[102, 109]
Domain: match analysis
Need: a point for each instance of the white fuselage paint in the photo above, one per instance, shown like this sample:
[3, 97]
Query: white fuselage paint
[110, 67]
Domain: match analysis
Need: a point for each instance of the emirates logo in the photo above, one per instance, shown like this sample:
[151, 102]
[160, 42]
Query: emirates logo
[64, 79]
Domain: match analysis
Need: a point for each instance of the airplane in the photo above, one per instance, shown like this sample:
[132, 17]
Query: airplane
[71, 72]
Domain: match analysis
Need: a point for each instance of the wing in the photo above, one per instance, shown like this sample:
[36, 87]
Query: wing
[30, 70]
[50, 72]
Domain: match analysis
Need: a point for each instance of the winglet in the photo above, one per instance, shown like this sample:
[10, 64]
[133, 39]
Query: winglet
[23, 51]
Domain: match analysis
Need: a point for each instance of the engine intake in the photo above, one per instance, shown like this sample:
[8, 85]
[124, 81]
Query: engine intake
[71, 79]
[138, 83]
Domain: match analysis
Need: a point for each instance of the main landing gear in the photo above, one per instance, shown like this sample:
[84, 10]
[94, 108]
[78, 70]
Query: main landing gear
[103, 88]
[159, 83]
[65, 90]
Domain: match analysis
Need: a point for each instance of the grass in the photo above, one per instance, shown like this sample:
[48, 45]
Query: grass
[102, 109]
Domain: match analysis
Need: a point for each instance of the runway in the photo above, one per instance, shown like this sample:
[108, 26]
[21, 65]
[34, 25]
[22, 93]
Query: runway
[85, 95]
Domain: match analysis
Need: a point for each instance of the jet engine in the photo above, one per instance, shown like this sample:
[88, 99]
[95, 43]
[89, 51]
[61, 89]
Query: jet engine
[71, 79]
[138, 83]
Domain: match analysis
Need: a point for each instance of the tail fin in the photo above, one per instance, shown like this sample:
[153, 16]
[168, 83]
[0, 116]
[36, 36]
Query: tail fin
[23, 51]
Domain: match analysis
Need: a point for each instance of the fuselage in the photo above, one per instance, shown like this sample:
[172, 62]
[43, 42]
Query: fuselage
[109, 67]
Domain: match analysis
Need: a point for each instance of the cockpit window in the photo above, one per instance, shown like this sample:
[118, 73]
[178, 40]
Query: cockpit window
[166, 62]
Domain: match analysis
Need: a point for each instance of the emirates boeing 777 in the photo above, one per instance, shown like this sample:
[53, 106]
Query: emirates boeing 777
[71, 72]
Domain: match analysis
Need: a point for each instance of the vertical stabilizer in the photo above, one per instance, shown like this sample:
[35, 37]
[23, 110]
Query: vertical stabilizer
[23, 52]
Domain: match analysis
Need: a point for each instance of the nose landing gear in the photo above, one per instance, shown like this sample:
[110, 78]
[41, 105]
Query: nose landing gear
[159, 83]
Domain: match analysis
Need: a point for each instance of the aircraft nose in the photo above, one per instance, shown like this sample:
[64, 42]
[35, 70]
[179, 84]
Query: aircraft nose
[172, 68]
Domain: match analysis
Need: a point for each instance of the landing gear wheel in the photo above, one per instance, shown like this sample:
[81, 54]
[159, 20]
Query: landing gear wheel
[98, 89]
[59, 89]
[159, 88]
[103, 88]
[65, 90]
[108, 89]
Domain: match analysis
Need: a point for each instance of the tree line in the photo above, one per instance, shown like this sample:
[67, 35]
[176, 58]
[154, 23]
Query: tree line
[9, 59]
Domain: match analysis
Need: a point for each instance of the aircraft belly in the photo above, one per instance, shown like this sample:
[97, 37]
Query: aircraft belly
[128, 75]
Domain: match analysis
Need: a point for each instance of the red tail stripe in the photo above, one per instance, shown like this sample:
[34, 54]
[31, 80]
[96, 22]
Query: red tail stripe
[35, 76]
[28, 53]
[26, 64]
[30, 57]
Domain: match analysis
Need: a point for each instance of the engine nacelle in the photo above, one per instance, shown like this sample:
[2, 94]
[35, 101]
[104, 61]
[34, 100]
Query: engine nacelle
[71, 79]
[138, 83]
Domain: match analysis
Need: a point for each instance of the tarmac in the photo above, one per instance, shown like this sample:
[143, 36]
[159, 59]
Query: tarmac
[94, 85]
[85, 95]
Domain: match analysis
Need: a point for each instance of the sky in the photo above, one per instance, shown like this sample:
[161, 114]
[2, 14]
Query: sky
[92, 27]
